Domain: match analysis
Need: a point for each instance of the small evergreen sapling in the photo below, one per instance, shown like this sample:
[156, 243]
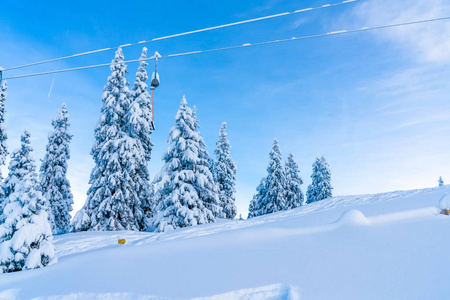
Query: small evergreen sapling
[441, 181]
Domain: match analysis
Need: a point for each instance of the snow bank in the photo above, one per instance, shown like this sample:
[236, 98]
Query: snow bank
[353, 217]
[444, 202]
[101, 296]
[399, 256]
[270, 292]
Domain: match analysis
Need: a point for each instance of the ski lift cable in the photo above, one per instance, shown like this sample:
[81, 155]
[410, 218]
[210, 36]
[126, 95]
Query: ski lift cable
[183, 34]
[332, 33]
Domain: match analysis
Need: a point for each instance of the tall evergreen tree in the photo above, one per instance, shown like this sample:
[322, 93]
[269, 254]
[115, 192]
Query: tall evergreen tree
[184, 178]
[209, 194]
[441, 181]
[25, 233]
[112, 200]
[138, 120]
[320, 187]
[54, 183]
[3, 135]
[224, 172]
[294, 194]
[272, 197]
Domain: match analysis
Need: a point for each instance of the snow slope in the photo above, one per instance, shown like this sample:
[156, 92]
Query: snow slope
[385, 246]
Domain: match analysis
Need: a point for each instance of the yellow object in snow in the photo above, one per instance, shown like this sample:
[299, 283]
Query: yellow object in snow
[122, 241]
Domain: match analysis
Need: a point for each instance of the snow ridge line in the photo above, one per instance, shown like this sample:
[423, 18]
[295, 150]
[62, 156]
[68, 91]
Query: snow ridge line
[351, 217]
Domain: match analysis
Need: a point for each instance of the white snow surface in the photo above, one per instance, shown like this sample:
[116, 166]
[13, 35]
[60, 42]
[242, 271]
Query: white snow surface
[444, 203]
[384, 246]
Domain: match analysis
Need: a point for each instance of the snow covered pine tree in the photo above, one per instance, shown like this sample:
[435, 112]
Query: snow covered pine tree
[294, 195]
[441, 181]
[320, 187]
[257, 198]
[224, 172]
[184, 178]
[112, 199]
[3, 136]
[271, 197]
[208, 191]
[26, 240]
[138, 121]
[54, 183]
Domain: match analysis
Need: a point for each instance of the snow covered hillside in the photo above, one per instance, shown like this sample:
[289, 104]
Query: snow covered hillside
[385, 246]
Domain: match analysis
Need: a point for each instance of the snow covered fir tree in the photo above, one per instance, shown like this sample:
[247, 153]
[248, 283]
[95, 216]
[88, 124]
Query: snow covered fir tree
[294, 194]
[185, 179]
[224, 172]
[3, 135]
[271, 197]
[253, 206]
[138, 120]
[210, 193]
[26, 240]
[441, 181]
[113, 202]
[55, 186]
[320, 187]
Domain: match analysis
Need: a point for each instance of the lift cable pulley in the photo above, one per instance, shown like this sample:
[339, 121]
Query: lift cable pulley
[153, 85]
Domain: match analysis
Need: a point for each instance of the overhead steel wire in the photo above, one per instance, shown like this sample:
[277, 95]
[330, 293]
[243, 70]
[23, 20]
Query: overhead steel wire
[332, 33]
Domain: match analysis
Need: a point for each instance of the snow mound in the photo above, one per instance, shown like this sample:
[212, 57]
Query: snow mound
[304, 247]
[444, 202]
[353, 217]
[268, 292]
[101, 296]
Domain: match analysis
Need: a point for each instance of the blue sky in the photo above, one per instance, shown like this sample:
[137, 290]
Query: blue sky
[375, 104]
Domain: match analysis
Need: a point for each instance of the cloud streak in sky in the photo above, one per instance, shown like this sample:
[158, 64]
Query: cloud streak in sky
[425, 42]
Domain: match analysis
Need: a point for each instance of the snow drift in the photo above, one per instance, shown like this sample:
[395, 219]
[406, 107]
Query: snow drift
[393, 246]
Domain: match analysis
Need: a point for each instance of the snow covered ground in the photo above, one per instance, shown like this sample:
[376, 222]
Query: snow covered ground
[385, 246]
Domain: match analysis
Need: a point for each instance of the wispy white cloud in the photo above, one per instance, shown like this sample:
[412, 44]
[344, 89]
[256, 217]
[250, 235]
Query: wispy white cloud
[424, 42]
[298, 23]
[266, 6]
